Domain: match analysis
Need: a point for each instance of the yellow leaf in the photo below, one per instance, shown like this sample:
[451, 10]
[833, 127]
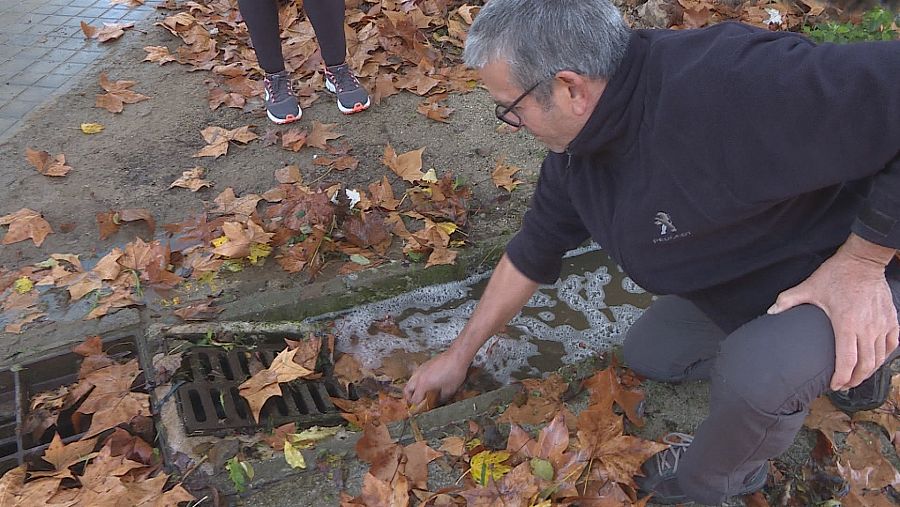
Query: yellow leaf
[23, 285]
[293, 456]
[448, 227]
[308, 438]
[91, 128]
[430, 176]
[221, 240]
[258, 251]
[471, 444]
[489, 464]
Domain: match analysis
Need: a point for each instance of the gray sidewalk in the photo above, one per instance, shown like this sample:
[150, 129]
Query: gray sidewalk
[43, 50]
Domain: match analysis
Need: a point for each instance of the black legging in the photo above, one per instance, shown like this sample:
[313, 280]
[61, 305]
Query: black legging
[326, 16]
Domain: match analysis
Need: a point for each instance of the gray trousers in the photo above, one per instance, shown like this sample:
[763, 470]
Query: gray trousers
[762, 376]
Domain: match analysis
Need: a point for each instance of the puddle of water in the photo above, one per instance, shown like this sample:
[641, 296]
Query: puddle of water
[586, 312]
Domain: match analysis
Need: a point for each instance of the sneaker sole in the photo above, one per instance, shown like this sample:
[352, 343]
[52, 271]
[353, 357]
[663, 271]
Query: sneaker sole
[357, 108]
[281, 121]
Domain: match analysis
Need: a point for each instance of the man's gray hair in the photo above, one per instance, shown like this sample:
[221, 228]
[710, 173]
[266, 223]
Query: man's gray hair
[539, 38]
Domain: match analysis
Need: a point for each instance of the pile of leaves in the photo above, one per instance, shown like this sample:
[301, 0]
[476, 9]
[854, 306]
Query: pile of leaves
[573, 459]
[111, 462]
[306, 228]
[392, 46]
[848, 464]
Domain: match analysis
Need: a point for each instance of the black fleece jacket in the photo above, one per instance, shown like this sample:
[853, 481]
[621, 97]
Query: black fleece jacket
[725, 165]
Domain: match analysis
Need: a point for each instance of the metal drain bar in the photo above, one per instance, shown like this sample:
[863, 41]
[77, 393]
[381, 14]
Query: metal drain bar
[211, 402]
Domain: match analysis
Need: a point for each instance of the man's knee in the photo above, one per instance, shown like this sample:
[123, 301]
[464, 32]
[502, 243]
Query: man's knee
[778, 367]
[643, 356]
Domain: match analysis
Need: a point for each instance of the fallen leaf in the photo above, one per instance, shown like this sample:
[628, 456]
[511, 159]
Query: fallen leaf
[117, 94]
[158, 54]
[294, 139]
[46, 165]
[827, 418]
[217, 140]
[320, 135]
[288, 174]
[91, 128]
[293, 456]
[198, 311]
[265, 384]
[108, 32]
[17, 326]
[191, 180]
[407, 165]
[25, 224]
[502, 176]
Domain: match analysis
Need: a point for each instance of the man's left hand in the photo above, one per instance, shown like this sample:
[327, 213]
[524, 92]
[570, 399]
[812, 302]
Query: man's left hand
[850, 287]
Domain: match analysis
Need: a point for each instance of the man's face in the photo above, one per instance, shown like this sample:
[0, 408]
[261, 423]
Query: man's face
[549, 125]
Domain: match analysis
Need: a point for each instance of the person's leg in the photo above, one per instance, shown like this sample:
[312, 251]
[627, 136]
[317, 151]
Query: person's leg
[766, 375]
[673, 341]
[261, 17]
[327, 19]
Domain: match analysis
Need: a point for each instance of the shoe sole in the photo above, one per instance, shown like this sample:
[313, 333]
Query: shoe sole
[282, 121]
[357, 108]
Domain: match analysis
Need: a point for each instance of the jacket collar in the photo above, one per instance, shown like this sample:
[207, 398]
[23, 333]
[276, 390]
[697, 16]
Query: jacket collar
[615, 115]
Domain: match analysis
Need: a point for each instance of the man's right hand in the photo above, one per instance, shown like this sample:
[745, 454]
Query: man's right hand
[443, 373]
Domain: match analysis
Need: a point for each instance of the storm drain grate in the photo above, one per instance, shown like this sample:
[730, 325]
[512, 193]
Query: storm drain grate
[18, 385]
[210, 400]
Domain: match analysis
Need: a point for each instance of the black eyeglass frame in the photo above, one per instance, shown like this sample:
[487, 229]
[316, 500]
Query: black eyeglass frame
[501, 111]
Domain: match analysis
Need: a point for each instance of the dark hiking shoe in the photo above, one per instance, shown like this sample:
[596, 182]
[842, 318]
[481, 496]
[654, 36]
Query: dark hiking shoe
[351, 96]
[659, 473]
[869, 395]
[281, 104]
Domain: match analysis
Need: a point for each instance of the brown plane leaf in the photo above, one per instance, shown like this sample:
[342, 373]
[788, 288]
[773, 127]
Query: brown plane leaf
[17, 326]
[502, 176]
[218, 97]
[198, 311]
[62, 456]
[368, 230]
[827, 418]
[108, 32]
[288, 174]
[110, 221]
[117, 94]
[320, 135]
[46, 165]
[158, 54]
[217, 140]
[229, 204]
[606, 389]
[541, 403]
[382, 195]
[191, 179]
[348, 370]
[434, 110]
[25, 224]
[263, 385]
[294, 139]
[377, 448]
[407, 165]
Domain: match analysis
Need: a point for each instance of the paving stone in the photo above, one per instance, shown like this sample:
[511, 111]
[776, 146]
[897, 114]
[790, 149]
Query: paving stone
[32, 53]
[42, 67]
[82, 3]
[25, 78]
[41, 29]
[93, 12]
[7, 126]
[75, 43]
[54, 81]
[45, 9]
[70, 69]
[68, 10]
[85, 56]
[13, 66]
[36, 94]
[7, 92]
[59, 55]
[17, 109]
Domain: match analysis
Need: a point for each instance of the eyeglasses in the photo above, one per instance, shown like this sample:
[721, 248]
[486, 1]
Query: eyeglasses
[506, 113]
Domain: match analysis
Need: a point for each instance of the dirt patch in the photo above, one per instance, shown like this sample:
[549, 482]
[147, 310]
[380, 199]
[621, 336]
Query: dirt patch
[147, 147]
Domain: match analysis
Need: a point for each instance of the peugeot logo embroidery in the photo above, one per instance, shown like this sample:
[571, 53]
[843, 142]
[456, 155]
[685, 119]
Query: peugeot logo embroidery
[667, 229]
[664, 221]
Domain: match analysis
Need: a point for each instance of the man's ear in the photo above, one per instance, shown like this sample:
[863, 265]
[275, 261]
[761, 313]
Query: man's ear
[579, 92]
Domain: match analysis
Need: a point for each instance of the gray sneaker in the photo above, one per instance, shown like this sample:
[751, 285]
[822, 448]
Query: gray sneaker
[281, 104]
[351, 96]
[660, 473]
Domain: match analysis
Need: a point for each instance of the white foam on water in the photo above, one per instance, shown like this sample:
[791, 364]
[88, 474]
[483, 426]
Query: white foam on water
[629, 286]
[430, 318]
